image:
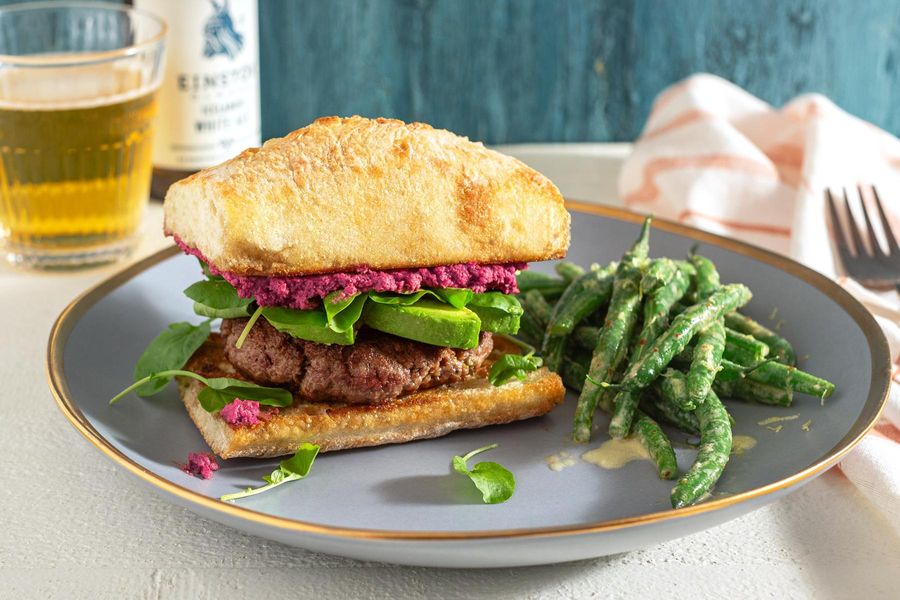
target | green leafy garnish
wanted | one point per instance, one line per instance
(311, 324)
(207, 273)
(493, 480)
(291, 469)
(169, 350)
(455, 297)
(497, 300)
(513, 365)
(217, 299)
(341, 315)
(218, 392)
(498, 312)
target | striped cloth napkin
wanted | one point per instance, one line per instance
(718, 158)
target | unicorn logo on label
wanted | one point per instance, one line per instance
(219, 34)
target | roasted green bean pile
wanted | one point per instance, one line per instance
(651, 340)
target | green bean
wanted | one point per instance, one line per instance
(705, 363)
(661, 409)
(775, 374)
(744, 349)
(529, 329)
(754, 391)
(547, 285)
(533, 322)
(672, 386)
(691, 294)
(535, 303)
(649, 433)
(553, 347)
(657, 444)
(679, 334)
(739, 348)
(586, 336)
(781, 349)
(710, 341)
(656, 319)
(658, 274)
(787, 377)
(708, 280)
(569, 271)
(584, 295)
(712, 456)
(573, 373)
(614, 336)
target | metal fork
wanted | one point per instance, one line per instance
(878, 269)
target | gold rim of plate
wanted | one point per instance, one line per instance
(874, 403)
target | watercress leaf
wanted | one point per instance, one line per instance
(333, 306)
(221, 313)
(168, 351)
(222, 390)
(455, 297)
(291, 469)
(212, 400)
(494, 481)
(499, 301)
(207, 273)
(459, 465)
(217, 294)
(309, 325)
(397, 298)
(276, 477)
(343, 314)
(301, 462)
(511, 366)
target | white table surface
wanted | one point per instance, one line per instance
(73, 525)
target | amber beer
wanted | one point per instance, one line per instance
(75, 175)
(78, 88)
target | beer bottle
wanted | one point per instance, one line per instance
(209, 107)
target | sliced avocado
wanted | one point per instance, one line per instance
(427, 321)
(496, 320)
(309, 325)
(498, 312)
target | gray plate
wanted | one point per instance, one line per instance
(402, 504)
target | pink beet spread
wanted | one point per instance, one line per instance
(305, 291)
(240, 412)
(200, 465)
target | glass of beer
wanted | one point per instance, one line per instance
(77, 103)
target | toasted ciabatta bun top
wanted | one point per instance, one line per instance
(345, 193)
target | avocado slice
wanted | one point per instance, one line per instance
(427, 321)
(309, 325)
(498, 312)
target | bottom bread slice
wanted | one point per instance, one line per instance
(426, 414)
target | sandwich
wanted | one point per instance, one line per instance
(367, 267)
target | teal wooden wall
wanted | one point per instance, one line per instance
(565, 70)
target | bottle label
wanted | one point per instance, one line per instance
(209, 98)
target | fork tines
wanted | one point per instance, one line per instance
(870, 263)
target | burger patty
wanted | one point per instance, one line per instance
(376, 369)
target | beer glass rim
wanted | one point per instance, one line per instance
(80, 58)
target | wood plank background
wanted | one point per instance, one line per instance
(564, 70)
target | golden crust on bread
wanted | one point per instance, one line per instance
(343, 193)
(426, 414)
